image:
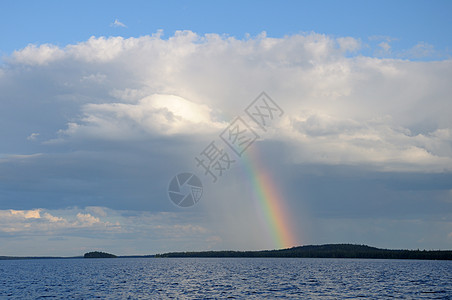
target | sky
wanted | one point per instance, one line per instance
(102, 103)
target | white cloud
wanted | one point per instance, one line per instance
(96, 210)
(326, 139)
(382, 38)
(30, 214)
(87, 220)
(420, 50)
(156, 114)
(349, 44)
(150, 232)
(38, 55)
(33, 136)
(118, 23)
(385, 46)
(340, 109)
(65, 221)
(43, 222)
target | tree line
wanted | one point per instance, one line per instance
(324, 251)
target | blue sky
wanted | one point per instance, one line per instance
(103, 102)
(61, 23)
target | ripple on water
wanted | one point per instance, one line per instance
(233, 278)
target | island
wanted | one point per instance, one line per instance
(324, 251)
(97, 254)
(311, 251)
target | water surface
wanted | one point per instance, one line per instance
(195, 278)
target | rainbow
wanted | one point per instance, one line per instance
(269, 202)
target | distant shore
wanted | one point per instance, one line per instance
(325, 251)
(312, 251)
(66, 257)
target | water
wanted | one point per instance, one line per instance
(200, 278)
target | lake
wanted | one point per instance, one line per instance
(196, 278)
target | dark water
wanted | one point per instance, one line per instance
(200, 278)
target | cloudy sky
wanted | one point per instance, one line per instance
(102, 103)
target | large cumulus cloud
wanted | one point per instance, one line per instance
(108, 121)
(343, 109)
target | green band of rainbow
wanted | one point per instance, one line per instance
(270, 202)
